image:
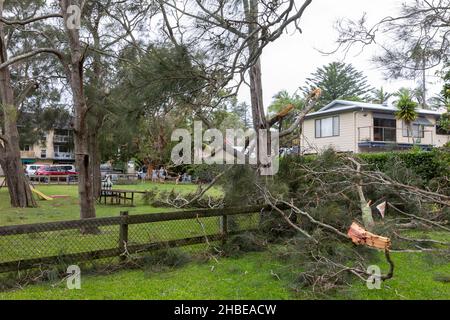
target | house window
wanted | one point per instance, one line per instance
(43, 153)
(418, 130)
(61, 148)
(26, 147)
(384, 129)
(327, 127)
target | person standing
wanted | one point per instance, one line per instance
(162, 174)
(154, 175)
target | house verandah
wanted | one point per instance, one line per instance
(355, 127)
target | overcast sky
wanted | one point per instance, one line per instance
(288, 61)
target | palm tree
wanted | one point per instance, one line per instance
(406, 110)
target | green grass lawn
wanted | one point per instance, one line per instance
(56, 243)
(242, 278)
(251, 276)
(68, 208)
(413, 279)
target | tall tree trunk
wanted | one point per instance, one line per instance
(95, 164)
(18, 186)
(97, 114)
(256, 93)
(83, 158)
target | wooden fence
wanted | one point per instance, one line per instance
(32, 245)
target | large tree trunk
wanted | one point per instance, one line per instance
(81, 134)
(94, 150)
(19, 189)
(95, 118)
(256, 93)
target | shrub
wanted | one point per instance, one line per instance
(427, 165)
(244, 242)
(165, 259)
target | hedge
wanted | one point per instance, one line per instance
(426, 164)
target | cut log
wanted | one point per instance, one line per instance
(361, 236)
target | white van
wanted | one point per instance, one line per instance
(30, 169)
(66, 167)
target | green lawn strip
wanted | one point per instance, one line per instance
(247, 277)
(414, 273)
(413, 279)
(68, 208)
(55, 243)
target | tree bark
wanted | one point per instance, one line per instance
(256, 93)
(18, 186)
(81, 133)
(94, 150)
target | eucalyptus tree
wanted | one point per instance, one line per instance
(17, 83)
(233, 35)
(60, 26)
(111, 26)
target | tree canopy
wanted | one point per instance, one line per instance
(338, 80)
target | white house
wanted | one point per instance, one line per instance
(349, 126)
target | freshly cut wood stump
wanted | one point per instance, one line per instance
(361, 236)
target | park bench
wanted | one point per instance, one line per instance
(118, 196)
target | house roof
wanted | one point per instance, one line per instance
(341, 106)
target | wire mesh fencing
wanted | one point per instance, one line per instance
(29, 246)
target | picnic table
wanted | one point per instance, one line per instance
(118, 196)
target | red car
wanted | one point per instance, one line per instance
(54, 171)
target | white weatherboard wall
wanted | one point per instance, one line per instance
(348, 133)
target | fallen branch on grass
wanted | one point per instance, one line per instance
(419, 218)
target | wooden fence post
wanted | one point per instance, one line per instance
(123, 235)
(224, 227)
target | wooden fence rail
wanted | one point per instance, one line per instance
(123, 246)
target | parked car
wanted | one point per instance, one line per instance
(30, 169)
(67, 167)
(56, 170)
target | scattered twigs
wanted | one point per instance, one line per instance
(293, 225)
(418, 218)
(202, 191)
(273, 203)
(207, 240)
(422, 240)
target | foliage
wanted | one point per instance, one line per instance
(380, 96)
(163, 260)
(443, 100)
(316, 265)
(282, 99)
(338, 81)
(204, 172)
(406, 107)
(427, 165)
(236, 245)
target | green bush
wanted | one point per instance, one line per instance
(244, 242)
(427, 165)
